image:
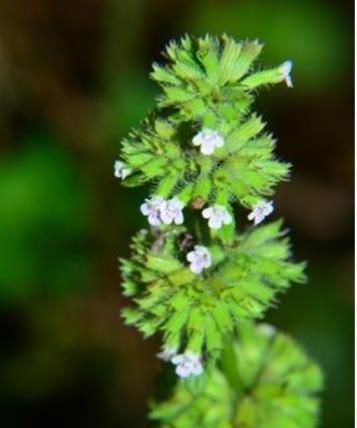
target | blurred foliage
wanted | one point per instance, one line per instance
(43, 221)
(313, 34)
(78, 70)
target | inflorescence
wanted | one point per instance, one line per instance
(191, 276)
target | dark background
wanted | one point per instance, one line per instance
(73, 80)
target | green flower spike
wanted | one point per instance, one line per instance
(204, 143)
(197, 312)
(191, 277)
(264, 380)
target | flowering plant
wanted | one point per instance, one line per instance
(195, 277)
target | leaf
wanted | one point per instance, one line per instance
(249, 52)
(229, 58)
(164, 264)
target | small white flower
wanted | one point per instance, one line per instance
(187, 364)
(167, 354)
(285, 70)
(171, 211)
(199, 259)
(121, 170)
(208, 140)
(217, 215)
(261, 210)
(152, 209)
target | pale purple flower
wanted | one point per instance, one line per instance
(121, 169)
(217, 215)
(208, 140)
(187, 364)
(171, 211)
(167, 354)
(151, 208)
(285, 70)
(200, 258)
(261, 210)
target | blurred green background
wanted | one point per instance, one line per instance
(73, 81)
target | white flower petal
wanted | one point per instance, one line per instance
(187, 364)
(207, 148)
(261, 210)
(251, 216)
(217, 215)
(154, 220)
(144, 208)
(176, 203)
(171, 211)
(197, 140)
(207, 212)
(151, 208)
(183, 371)
(215, 223)
(190, 257)
(196, 267)
(285, 70)
(227, 218)
(196, 369)
(209, 140)
(200, 259)
(177, 359)
(121, 170)
(166, 216)
(125, 172)
(179, 218)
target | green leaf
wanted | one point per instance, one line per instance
(229, 59)
(164, 264)
(249, 52)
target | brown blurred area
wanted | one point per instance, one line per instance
(73, 81)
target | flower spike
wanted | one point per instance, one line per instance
(195, 277)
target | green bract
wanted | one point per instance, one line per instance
(208, 83)
(264, 380)
(197, 312)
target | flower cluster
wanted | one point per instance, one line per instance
(208, 140)
(121, 170)
(199, 259)
(187, 364)
(261, 210)
(278, 387)
(204, 140)
(217, 216)
(158, 210)
(191, 278)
